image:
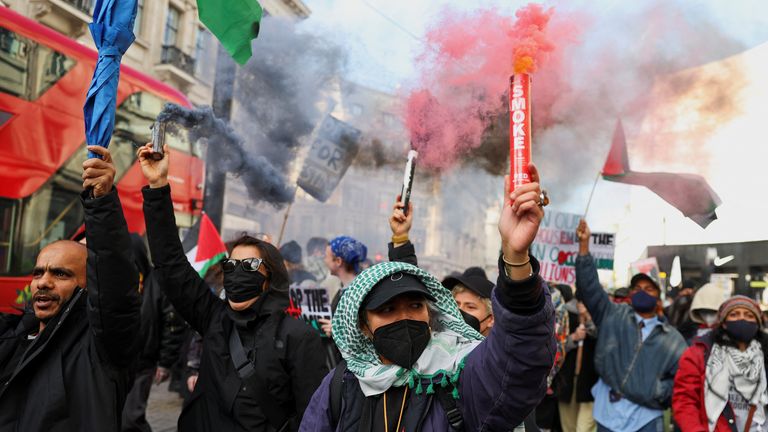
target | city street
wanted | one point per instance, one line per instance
(163, 409)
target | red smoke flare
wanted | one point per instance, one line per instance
(465, 68)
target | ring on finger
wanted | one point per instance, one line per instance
(543, 198)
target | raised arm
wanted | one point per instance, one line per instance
(504, 378)
(401, 249)
(112, 279)
(587, 282)
(183, 286)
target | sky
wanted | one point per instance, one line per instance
(384, 36)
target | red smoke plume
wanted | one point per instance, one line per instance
(464, 73)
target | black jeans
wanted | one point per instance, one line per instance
(135, 409)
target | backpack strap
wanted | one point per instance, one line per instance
(337, 392)
(455, 418)
(277, 415)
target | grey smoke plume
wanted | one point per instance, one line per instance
(284, 91)
(264, 181)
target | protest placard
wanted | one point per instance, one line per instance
(556, 247)
(332, 152)
(312, 301)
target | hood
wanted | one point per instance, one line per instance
(710, 296)
(359, 352)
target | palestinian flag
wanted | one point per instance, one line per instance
(235, 23)
(203, 245)
(689, 193)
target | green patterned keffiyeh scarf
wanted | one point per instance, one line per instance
(441, 361)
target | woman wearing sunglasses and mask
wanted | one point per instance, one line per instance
(259, 367)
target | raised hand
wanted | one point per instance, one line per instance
(155, 171)
(99, 174)
(520, 218)
(583, 234)
(399, 223)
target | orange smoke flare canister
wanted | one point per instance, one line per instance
(519, 128)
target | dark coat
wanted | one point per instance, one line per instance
(76, 377)
(162, 329)
(293, 374)
(563, 384)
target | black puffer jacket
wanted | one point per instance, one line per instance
(288, 352)
(75, 375)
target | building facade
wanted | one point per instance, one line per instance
(171, 44)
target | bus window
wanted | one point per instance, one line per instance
(7, 222)
(28, 69)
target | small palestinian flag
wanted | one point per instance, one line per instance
(203, 245)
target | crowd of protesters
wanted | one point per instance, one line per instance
(403, 350)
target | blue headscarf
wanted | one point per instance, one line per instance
(349, 250)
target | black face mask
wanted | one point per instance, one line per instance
(402, 342)
(241, 285)
(470, 320)
(741, 330)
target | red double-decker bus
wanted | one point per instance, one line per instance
(44, 77)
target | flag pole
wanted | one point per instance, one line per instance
(285, 218)
(591, 194)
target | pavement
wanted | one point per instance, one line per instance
(163, 408)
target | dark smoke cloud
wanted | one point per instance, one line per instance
(264, 181)
(284, 91)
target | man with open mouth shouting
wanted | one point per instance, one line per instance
(64, 363)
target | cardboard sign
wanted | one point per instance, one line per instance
(649, 266)
(331, 154)
(313, 302)
(556, 247)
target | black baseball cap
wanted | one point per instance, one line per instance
(474, 279)
(642, 276)
(393, 286)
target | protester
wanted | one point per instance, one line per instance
(621, 295)
(64, 364)
(704, 306)
(413, 364)
(343, 256)
(258, 367)
(472, 292)
(637, 350)
(291, 253)
(678, 313)
(577, 376)
(721, 384)
(315, 261)
(162, 336)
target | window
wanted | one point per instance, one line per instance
(356, 109)
(389, 119)
(27, 69)
(205, 68)
(171, 27)
(139, 17)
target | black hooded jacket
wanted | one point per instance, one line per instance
(75, 375)
(288, 352)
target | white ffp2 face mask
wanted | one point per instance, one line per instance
(709, 318)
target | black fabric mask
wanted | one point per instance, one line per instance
(241, 285)
(402, 342)
(470, 320)
(643, 302)
(741, 330)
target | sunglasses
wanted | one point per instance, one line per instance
(229, 265)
